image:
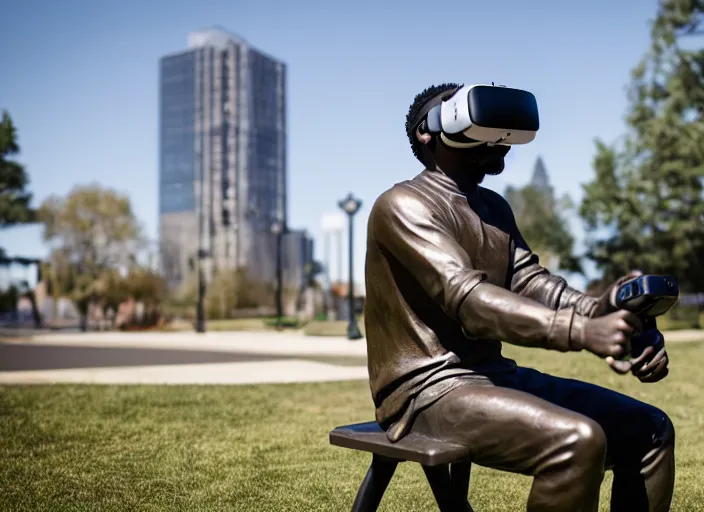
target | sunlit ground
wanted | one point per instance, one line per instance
(265, 448)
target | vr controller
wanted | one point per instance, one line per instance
(484, 114)
(648, 297)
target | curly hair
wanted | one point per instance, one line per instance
(419, 102)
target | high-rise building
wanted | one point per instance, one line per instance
(222, 155)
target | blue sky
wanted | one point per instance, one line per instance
(80, 80)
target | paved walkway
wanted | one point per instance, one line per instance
(289, 349)
(270, 342)
(684, 335)
(269, 372)
(284, 343)
(16, 357)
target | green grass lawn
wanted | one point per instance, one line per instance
(331, 327)
(265, 448)
(237, 324)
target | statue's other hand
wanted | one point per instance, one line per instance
(653, 366)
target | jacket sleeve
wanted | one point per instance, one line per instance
(530, 279)
(421, 236)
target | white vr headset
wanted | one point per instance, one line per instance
(484, 114)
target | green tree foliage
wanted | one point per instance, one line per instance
(14, 198)
(111, 288)
(542, 221)
(645, 206)
(9, 298)
(143, 284)
(228, 291)
(95, 234)
(92, 225)
(106, 288)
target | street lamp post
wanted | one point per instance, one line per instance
(278, 229)
(350, 205)
(200, 307)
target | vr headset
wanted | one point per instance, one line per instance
(484, 114)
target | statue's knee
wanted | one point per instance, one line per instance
(665, 430)
(589, 442)
(656, 428)
(669, 430)
(661, 448)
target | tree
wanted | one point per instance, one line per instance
(541, 220)
(14, 198)
(645, 207)
(94, 231)
(9, 298)
(140, 284)
(143, 284)
(92, 225)
(107, 290)
(230, 290)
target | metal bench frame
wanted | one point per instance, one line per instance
(446, 466)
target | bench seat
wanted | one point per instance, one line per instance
(369, 437)
(446, 465)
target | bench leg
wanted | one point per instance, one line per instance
(374, 485)
(450, 487)
(459, 480)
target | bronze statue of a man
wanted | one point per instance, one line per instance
(448, 277)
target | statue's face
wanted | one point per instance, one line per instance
(482, 159)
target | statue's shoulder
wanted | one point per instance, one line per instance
(497, 203)
(495, 199)
(491, 195)
(400, 197)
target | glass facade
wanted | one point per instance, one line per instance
(298, 253)
(177, 126)
(222, 111)
(229, 131)
(266, 173)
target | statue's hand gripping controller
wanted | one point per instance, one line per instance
(648, 297)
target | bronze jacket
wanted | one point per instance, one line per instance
(448, 276)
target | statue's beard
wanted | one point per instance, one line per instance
(491, 164)
(485, 160)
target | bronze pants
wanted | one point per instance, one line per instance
(565, 433)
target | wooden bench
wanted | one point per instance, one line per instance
(446, 466)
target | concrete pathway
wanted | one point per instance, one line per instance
(292, 347)
(269, 372)
(684, 335)
(273, 343)
(15, 357)
(285, 343)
